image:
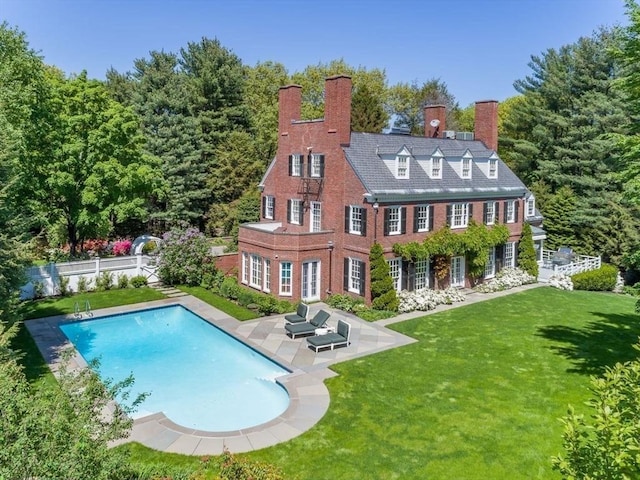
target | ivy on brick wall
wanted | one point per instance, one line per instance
(474, 243)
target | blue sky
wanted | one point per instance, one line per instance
(477, 47)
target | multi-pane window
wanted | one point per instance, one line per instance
(255, 279)
(490, 213)
(245, 267)
(395, 271)
(402, 163)
(493, 168)
(490, 267)
(267, 275)
(459, 215)
(295, 211)
(295, 165)
(421, 274)
(316, 216)
(316, 165)
(285, 278)
(531, 207)
(355, 221)
(466, 168)
(436, 167)
(355, 275)
(394, 221)
(510, 211)
(421, 213)
(510, 254)
(269, 206)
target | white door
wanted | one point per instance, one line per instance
(311, 281)
(457, 272)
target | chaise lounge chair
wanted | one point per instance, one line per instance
(307, 328)
(332, 339)
(302, 312)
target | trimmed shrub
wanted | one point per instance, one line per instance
(83, 284)
(346, 303)
(104, 281)
(63, 286)
(426, 299)
(506, 279)
(230, 288)
(601, 280)
(562, 282)
(383, 294)
(526, 252)
(150, 247)
(138, 281)
(123, 281)
(38, 290)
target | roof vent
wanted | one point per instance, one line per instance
(449, 134)
(464, 135)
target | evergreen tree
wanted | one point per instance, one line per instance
(383, 295)
(367, 111)
(526, 252)
(558, 213)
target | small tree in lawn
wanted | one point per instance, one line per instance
(383, 294)
(527, 252)
(184, 257)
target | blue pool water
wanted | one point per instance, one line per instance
(196, 374)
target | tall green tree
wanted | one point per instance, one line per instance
(367, 111)
(383, 295)
(407, 102)
(97, 174)
(526, 252)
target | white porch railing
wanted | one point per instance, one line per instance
(582, 263)
(48, 276)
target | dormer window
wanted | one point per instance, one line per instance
(436, 167)
(531, 206)
(402, 166)
(493, 168)
(466, 167)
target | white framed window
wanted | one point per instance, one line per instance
(436, 167)
(395, 270)
(457, 271)
(255, 276)
(402, 166)
(245, 267)
(490, 213)
(316, 165)
(355, 220)
(295, 165)
(295, 211)
(267, 275)
(490, 267)
(510, 254)
(493, 168)
(510, 211)
(466, 167)
(421, 220)
(316, 217)
(269, 206)
(531, 206)
(421, 274)
(394, 220)
(355, 275)
(286, 279)
(459, 215)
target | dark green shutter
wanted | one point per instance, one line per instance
(504, 216)
(290, 165)
(484, 213)
(264, 207)
(415, 219)
(431, 218)
(516, 208)
(449, 215)
(347, 218)
(469, 211)
(403, 220)
(345, 274)
(288, 211)
(496, 205)
(386, 221)
(321, 166)
(363, 277)
(363, 231)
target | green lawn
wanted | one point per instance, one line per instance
(227, 306)
(477, 397)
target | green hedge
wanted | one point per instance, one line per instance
(601, 280)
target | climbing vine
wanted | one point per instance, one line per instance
(473, 243)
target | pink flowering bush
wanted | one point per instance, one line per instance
(121, 247)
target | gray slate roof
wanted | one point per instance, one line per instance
(365, 149)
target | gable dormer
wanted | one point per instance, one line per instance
(434, 165)
(489, 166)
(398, 163)
(464, 166)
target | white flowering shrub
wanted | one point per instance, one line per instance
(427, 299)
(505, 279)
(563, 282)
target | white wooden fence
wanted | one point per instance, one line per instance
(47, 277)
(582, 263)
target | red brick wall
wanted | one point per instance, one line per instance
(227, 263)
(434, 112)
(486, 123)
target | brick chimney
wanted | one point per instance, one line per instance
(337, 106)
(289, 106)
(486, 123)
(434, 112)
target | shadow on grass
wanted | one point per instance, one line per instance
(598, 344)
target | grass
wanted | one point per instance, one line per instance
(109, 298)
(227, 306)
(478, 396)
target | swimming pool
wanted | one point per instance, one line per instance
(197, 375)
